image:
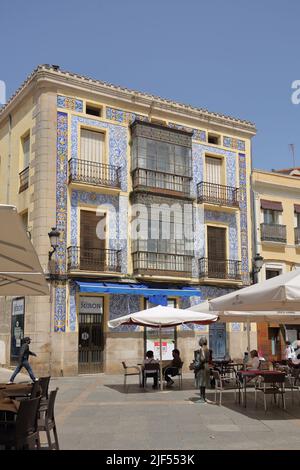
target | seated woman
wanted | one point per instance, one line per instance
(152, 373)
(172, 369)
(253, 363)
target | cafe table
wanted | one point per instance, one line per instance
(250, 374)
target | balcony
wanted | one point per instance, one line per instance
(167, 264)
(93, 259)
(220, 269)
(273, 233)
(297, 235)
(93, 173)
(217, 194)
(23, 180)
(161, 182)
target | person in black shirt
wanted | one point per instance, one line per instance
(23, 361)
(173, 368)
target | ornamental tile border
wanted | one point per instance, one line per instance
(243, 218)
(68, 102)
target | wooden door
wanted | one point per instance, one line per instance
(216, 252)
(92, 248)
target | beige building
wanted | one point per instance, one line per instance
(108, 167)
(277, 239)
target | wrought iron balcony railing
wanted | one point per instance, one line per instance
(23, 180)
(217, 194)
(297, 235)
(145, 262)
(220, 269)
(273, 233)
(93, 259)
(160, 182)
(96, 174)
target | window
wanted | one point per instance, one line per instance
(213, 170)
(272, 273)
(213, 139)
(93, 110)
(26, 151)
(92, 146)
(297, 215)
(270, 216)
(24, 218)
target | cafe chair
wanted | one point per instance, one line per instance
(179, 375)
(47, 423)
(270, 385)
(223, 383)
(22, 433)
(44, 387)
(148, 371)
(131, 370)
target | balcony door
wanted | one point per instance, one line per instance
(91, 146)
(216, 251)
(92, 248)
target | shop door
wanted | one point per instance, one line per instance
(90, 341)
(217, 340)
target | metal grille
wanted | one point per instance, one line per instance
(172, 264)
(273, 232)
(98, 174)
(220, 269)
(297, 236)
(93, 259)
(217, 194)
(90, 348)
(24, 179)
(145, 179)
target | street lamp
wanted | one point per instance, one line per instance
(53, 237)
(258, 262)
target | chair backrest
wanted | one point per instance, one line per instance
(216, 375)
(26, 421)
(36, 390)
(151, 366)
(50, 408)
(124, 365)
(273, 378)
(44, 384)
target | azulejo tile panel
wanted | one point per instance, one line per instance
(118, 141)
(234, 143)
(61, 217)
(116, 208)
(120, 305)
(68, 102)
(72, 315)
(243, 218)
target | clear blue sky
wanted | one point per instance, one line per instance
(234, 57)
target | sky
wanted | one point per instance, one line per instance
(234, 57)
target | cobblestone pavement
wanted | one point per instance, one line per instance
(95, 412)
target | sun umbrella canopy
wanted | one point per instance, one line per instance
(281, 293)
(20, 269)
(163, 316)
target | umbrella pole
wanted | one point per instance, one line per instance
(160, 359)
(248, 335)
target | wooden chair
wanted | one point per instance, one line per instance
(47, 422)
(271, 385)
(131, 370)
(23, 432)
(223, 383)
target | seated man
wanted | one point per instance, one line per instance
(147, 367)
(173, 368)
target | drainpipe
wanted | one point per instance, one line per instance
(9, 158)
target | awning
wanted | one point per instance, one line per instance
(135, 289)
(273, 205)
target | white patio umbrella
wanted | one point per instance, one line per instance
(280, 293)
(162, 317)
(20, 269)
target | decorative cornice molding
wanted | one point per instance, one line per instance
(68, 79)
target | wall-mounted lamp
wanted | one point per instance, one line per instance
(54, 238)
(258, 263)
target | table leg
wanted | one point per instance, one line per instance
(245, 392)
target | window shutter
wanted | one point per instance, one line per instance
(213, 170)
(91, 146)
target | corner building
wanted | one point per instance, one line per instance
(112, 168)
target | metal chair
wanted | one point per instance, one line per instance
(271, 385)
(44, 386)
(149, 370)
(23, 432)
(47, 422)
(223, 383)
(131, 370)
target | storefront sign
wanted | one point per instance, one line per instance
(17, 326)
(91, 305)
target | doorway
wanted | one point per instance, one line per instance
(90, 335)
(216, 252)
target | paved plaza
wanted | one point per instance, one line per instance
(94, 412)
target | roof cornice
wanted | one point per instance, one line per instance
(129, 97)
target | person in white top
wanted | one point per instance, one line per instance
(152, 373)
(254, 361)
